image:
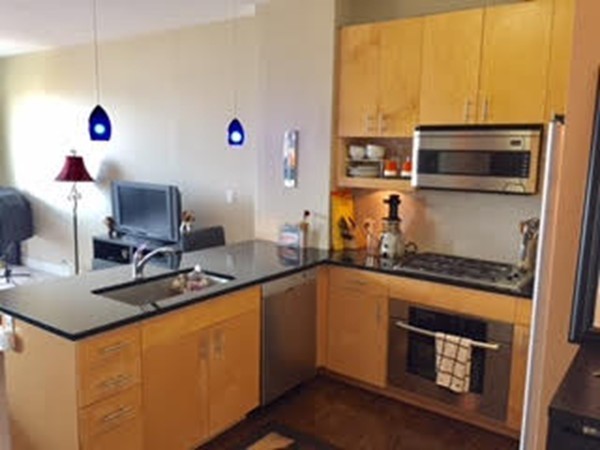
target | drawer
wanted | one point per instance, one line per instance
(113, 424)
(357, 281)
(108, 364)
(114, 346)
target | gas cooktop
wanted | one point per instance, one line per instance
(476, 272)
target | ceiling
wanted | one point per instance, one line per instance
(33, 25)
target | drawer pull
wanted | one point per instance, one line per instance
(118, 414)
(113, 348)
(115, 382)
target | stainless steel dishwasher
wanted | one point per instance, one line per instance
(289, 313)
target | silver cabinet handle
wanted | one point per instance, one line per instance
(219, 344)
(369, 119)
(116, 415)
(113, 348)
(115, 382)
(203, 346)
(383, 123)
(467, 110)
(486, 109)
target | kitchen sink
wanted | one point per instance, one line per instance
(151, 290)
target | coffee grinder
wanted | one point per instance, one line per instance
(391, 242)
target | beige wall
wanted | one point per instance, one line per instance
(295, 90)
(361, 11)
(3, 162)
(170, 98)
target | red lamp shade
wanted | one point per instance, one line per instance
(74, 170)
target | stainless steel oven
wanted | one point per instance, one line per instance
(494, 158)
(411, 357)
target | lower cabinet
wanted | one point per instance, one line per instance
(357, 325)
(200, 370)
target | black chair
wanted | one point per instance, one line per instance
(10, 254)
(203, 238)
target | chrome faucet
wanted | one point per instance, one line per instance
(139, 260)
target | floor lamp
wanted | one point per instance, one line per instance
(74, 171)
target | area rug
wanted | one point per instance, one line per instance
(280, 437)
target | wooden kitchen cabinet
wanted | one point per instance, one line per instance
(234, 373)
(358, 82)
(451, 64)
(491, 65)
(515, 63)
(175, 388)
(560, 57)
(379, 81)
(201, 370)
(357, 325)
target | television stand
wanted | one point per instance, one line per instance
(110, 252)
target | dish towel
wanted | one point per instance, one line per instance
(453, 362)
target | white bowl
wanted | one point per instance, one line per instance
(356, 152)
(375, 151)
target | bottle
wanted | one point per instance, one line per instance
(304, 229)
(390, 168)
(406, 170)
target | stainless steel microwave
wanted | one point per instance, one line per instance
(487, 158)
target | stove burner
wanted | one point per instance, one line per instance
(474, 271)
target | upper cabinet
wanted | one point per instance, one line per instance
(560, 57)
(451, 63)
(515, 63)
(487, 65)
(379, 82)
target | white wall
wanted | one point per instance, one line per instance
(170, 98)
(296, 45)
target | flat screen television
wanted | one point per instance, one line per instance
(146, 210)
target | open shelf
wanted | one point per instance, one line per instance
(388, 184)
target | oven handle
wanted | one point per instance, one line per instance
(478, 344)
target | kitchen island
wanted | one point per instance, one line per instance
(90, 372)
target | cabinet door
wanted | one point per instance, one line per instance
(514, 70)
(399, 76)
(356, 338)
(234, 370)
(175, 377)
(359, 72)
(450, 69)
(560, 57)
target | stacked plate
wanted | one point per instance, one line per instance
(364, 171)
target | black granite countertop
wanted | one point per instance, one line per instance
(68, 307)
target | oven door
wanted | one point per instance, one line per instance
(411, 358)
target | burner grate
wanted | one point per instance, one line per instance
(480, 272)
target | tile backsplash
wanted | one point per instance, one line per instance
(467, 224)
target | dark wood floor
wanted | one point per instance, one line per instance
(351, 418)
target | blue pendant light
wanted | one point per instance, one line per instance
(235, 133)
(99, 125)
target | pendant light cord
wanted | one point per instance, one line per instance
(235, 5)
(96, 63)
